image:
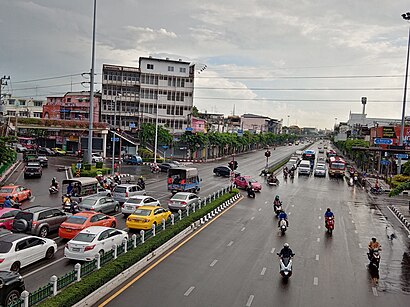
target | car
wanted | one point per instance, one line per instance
(33, 169)
(223, 171)
(20, 148)
(96, 158)
(242, 182)
(99, 203)
(320, 170)
(43, 160)
(45, 151)
(304, 168)
(79, 221)
(92, 241)
(182, 200)
(133, 159)
(38, 220)
(18, 192)
(124, 191)
(146, 216)
(166, 166)
(59, 151)
(136, 201)
(11, 286)
(322, 151)
(7, 216)
(19, 250)
(324, 146)
(290, 144)
(321, 159)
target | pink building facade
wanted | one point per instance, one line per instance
(198, 125)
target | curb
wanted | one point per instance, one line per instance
(94, 297)
(10, 171)
(401, 217)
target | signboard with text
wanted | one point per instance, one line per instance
(379, 141)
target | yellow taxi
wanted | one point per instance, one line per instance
(146, 216)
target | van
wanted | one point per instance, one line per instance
(124, 191)
(304, 168)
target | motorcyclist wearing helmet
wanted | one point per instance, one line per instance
(54, 182)
(141, 182)
(66, 199)
(276, 204)
(286, 251)
(373, 245)
(7, 203)
(283, 216)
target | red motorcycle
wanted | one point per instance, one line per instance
(330, 224)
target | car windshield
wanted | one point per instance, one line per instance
(251, 180)
(5, 247)
(85, 237)
(120, 190)
(88, 202)
(142, 212)
(179, 197)
(134, 201)
(338, 166)
(79, 220)
(320, 167)
(6, 190)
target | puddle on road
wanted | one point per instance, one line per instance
(395, 255)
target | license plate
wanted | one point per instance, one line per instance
(75, 249)
(130, 207)
(68, 230)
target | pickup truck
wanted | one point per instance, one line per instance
(132, 159)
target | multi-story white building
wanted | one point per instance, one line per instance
(22, 107)
(157, 85)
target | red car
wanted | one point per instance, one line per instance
(6, 217)
(18, 192)
(242, 182)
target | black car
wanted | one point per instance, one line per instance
(43, 161)
(11, 286)
(33, 169)
(46, 151)
(223, 171)
(166, 166)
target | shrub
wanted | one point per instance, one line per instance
(99, 165)
(92, 172)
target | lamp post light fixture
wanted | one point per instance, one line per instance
(405, 16)
(114, 134)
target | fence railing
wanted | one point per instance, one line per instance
(58, 283)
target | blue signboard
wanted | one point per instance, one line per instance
(402, 156)
(132, 125)
(240, 132)
(115, 139)
(379, 141)
(165, 146)
(385, 162)
(189, 129)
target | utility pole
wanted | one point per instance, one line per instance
(1, 83)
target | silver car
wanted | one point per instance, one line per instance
(182, 200)
(320, 170)
(124, 191)
(97, 203)
(137, 201)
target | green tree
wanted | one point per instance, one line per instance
(195, 111)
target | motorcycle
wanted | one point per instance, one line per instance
(376, 191)
(283, 225)
(330, 225)
(273, 181)
(292, 174)
(71, 209)
(285, 267)
(53, 189)
(277, 209)
(374, 258)
(285, 175)
(355, 179)
(155, 169)
(251, 193)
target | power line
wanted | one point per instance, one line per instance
(47, 78)
(300, 77)
(300, 89)
(294, 100)
(45, 86)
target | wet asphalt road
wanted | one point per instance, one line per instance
(39, 274)
(233, 262)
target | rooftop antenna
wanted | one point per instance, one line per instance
(233, 111)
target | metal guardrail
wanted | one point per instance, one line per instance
(85, 269)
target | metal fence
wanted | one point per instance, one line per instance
(59, 283)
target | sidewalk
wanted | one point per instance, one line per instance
(7, 173)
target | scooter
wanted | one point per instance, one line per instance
(350, 182)
(53, 189)
(272, 181)
(277, 209)
(374, 258)
(155, 169)
(67, 207)
(285, 267)
(330, 225)
(251, 193)
(292, 174)
(283, 226)
(376, 191)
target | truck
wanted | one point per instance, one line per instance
(183, 179)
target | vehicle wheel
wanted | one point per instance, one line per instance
(101, 252)
(12, 297)
(217, 174)
(113, 225)
(43, 232)
(117, 208)
(155, 224)
(15, 267)
(109, 195)
(50, 253)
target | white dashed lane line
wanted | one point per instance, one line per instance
(316, 281)
(263, 271)
(259, 209)
(318, 227)
(252, 218)
(317, 257)
(360, 245)
(250, 300)
(213, 263)
(32, 199)
(188, 292)
(375, 291)
(230, 243)
(243, 229)
(318, 239)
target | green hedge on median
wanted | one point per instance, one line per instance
(79, 290)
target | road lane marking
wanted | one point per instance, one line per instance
(318, 227)
(117, 214)
(320, 217)
(360, 245)
(230, 243)
(289, 213)
(350, 212)
(259, 209)
(318, 239)
(43, 267)
(32, 199)
(375, 291)
(243, 228)
(213, 262)
(315, 281)
(249, 302)
(399, 220)
(266, 202)
(263, 271)
(169, 253)
(352, 221)
(188, 292)
(317, 257)
(320, 209)
(252, 218)
(293, 205)
(272, 251)
(356, 231)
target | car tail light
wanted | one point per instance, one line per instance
(34, 223)
(122, 206)
(92, 208)
(1, 260)
(183, 202)
(126, 194)
(88, 248)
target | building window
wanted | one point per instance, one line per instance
(38, 103)
(68, 99)
(170, 68)
(182, 69)
(150, 66)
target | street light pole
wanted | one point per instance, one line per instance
(113, 135)
(405, 17)
(156, 131)
(91, 126)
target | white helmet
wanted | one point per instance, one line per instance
(286, 245)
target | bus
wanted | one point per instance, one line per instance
(337, 166)
(29, 143)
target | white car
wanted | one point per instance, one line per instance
(304, 168)
(93, 240)
(96, 158)
(20, 250)
(137, 201)
(320, 170)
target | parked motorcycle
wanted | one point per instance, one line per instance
(283, 226)
(330, 225)
(53, 189)
(285, 267)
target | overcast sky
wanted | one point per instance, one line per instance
(306, 62)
